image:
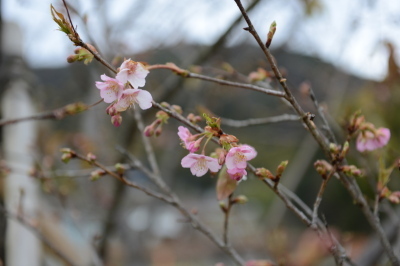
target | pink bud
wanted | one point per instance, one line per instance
(149, 130)
(116, 120)
(111, 110)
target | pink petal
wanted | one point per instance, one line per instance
(144, 99)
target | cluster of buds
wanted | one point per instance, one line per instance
(392, 196)
(352, 170)
(338, 152)
(122, 91)
(323, 168)
(81, 54)
(234, 156)
(265, 173)
(155, 128)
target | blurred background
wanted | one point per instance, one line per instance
(347, 51)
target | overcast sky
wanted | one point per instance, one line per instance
(346, 33)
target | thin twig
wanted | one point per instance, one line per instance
(319, 197)
(321, 114)
(227, 212)
(56, 114)
(188, 74)
(123, 179)
(28, 225)
(259, 121)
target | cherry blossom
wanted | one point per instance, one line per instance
(134, 72)
(131, 96)
(111, 89)
(188, 139)
(237, 173)
(368, 140)
(200, 164)
(238, 156)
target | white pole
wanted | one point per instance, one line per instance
(22, 247)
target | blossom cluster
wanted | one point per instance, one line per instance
(235, 158)
(123, 90)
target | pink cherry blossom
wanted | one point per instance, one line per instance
(111, 89)
(368, 140)
(199, 164)
(134, 72)
(237, 173)
(188, 139)
(238, 156)
(131, 96)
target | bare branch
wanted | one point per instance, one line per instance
(259, 121)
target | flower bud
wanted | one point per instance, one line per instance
(120, 168)
(116, 120)
(222, 205)
(193, 118)
(177, 109)
(96, 174)
(149, 130)
(352, 170)
(264, 173)
(158, 130)
(333, 148)
(323, 168)
(281, 168)
(90, 157)
(72, 58)
(345, 150)
(111, 110)
(66, 157)
(241, 199)
(225, 139)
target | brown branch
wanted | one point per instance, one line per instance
(259, 121)
(56, 114)
(319, 197)
(188, 74)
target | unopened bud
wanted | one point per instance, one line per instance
(72, 58)
(74, 108)
(165, 104)
(96, 174)
(352, 170)
(120, 168)
(281, 168)
(66, 157)
(345, 149)
(271, 33)
(264, 173)
(149, 130)
(162, 117)
(116, 120)
(225, 139)
(90, 157)
(222, 205)
(220, 155)
(111, 110)
(333, 148)
(241, 199)
(193, 118)
(158, 130)
(177, 109)
(323, 168)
